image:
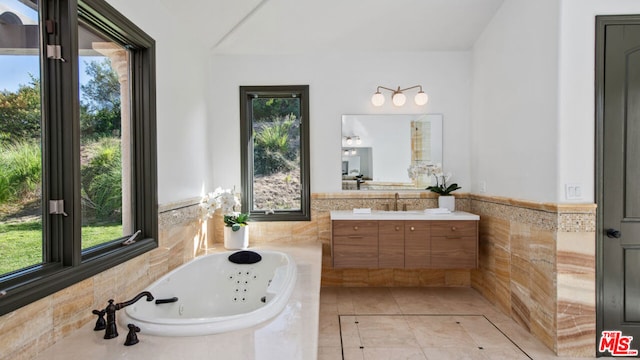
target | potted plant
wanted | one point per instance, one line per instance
(236, 230)
(445, 200)
(236, 220)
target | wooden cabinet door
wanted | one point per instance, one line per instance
(416, 244)
(355, 244)
(454, 244)
(391, 244)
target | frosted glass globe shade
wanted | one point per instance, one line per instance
(377, 99)
(399, 99)
(421, 98)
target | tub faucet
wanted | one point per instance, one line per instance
(111, 329)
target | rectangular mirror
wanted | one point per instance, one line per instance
(378, 150)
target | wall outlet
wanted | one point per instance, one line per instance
(573, 191)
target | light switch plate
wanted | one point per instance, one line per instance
(573, 191)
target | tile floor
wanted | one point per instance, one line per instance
(419, 323)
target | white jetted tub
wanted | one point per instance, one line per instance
(212, 294)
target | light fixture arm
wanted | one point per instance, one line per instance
(398, 89)
(378, 99)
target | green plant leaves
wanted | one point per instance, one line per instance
(235, 221)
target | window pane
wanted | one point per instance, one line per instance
(20, 139)
(276, 153)
(104, 140)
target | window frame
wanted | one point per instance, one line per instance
(246, 149)
(64, 261)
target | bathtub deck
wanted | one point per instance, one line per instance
(293, 334)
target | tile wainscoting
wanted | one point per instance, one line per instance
(537, 264)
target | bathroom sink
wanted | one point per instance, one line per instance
(400, 212)
(401, 215)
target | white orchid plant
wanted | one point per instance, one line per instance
(227, 200)
(441, 186)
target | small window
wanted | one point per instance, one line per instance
(275, 152)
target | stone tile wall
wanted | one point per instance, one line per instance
(536, 263)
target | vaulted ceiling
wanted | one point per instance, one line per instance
(305, 26)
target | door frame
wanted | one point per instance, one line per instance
(602, 21)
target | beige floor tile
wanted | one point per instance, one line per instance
(385, 331)
(329, 331)
(374, 301)
(394, 336)
(393, 353)
(439, 331)
(329, 353)
(484, 333)
(350, 332)
(459, 353)
(353, 353)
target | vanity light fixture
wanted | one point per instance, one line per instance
(398, 97)
(349, 140)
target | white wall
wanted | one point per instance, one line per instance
(341, 84)
(181, 100)
(514, 102)
(576, 108)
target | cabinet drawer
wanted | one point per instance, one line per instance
(357, 240)
(459, 253)
(355, 256)
(454, 229)
(350, 228)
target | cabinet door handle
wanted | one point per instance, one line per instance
(397, 228)
(412, 228)
(453, 228)
(355, 228)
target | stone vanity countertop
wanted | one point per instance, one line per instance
(402, 215)
(292, 334)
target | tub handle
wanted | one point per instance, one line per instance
(166, 301)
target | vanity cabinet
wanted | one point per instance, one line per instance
(454, 245)
(391, 244)
(355, 244)
(417, 244)
(405, 244)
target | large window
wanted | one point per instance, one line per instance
(78, 181)
(275, 152)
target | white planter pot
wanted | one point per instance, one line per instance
(447, 202)
(234, 240)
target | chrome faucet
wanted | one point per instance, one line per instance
(110, 327)
(395, 203)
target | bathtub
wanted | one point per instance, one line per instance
(215, 295)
